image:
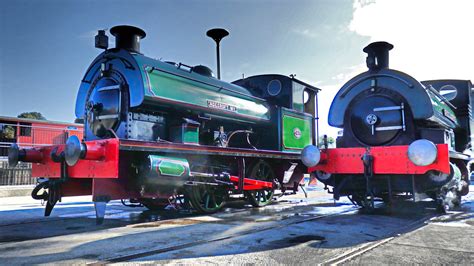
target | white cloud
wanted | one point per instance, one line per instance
(306, 33)
(433, 39)
(349, 73)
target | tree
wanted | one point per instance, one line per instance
(331, 141)
(32, 115)
(7, 132)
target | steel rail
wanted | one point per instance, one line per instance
(137, 255)
(353, 253)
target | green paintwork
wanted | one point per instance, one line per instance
(443, 111)
(185, 134)
(170, 166)
(294, 125)
(191, 135)
(169, 85)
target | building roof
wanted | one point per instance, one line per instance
(27, 120)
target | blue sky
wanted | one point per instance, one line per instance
(46, 46)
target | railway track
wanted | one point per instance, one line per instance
(142, 254)
(354, 253)
(343, 258)
(283, 222)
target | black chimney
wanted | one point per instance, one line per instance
(377, 55)
(217, 35)
(128, 37)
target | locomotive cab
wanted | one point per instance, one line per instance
(295, 105)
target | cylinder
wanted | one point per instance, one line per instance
(162, 174)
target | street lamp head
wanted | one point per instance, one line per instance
(217, 34)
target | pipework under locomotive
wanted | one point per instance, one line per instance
(399, 137)
(157, 131)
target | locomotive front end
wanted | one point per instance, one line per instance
(398, 137)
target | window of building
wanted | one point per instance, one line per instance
(25, 129)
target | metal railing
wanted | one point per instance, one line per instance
(16, 176)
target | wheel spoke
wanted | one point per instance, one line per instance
(266, 171)
(261, 171)
(207, 201)
(214, 200)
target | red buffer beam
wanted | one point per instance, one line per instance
(387, 160)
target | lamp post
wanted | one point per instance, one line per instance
(217, 35)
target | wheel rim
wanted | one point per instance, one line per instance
(206, 198)
(261, 171)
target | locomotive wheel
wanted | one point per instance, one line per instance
(365, 202)
(207, 198)
(448, 200)
(261, 171)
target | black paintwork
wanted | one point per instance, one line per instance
(384, 87)
(358, 133)
(128, 37)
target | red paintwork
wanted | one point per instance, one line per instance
(252, 184)
(95, 150)
(77, 187)
(104, 166)
(33, 156)
(98, 172)
(387, 160)
(111, 189)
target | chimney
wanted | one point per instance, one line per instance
(377, 55)
(128, 37)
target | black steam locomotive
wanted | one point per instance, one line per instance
(399, 137)
(156, 131)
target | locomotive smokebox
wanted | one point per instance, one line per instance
(377, 55)
(128, 37)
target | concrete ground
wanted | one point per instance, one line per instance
(294, 230)
(15, 191)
